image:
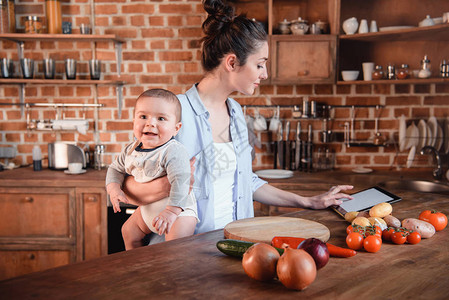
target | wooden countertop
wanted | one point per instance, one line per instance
(48, 178)
(192, 268)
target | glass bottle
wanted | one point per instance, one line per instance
(425, 71)
(54, 16)
(378, 73)
(403, 72)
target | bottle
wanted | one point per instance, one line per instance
(37, 158)
(391, 71)
(403, 72)
(98, 157)
(425, 71)
(54, 16)
(378, 73)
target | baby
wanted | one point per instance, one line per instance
(155, 153)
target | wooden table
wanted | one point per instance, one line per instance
(192, 268)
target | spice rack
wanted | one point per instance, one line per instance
(21, 38)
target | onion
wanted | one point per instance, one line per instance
(296, 269)
(259, 261)
(317, 249)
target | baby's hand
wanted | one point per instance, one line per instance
(164, 221)
(116, 195)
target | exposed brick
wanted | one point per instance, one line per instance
(383, 89)
(363, 89)
(436, 100)
(284, 89)
(158, 32)
(422, 88)
(323, 89)
(179, 9)
(115, 126)
(138, 8)
(343, 89)
(156, 21)
(176, 55)
(402, 100)
(369, 100)
(145, 56)
(165, 79)
(304, 89)
(402, 88)
(175, 20)
(439, 88)
(188, 79)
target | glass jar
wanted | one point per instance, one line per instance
(54, 16)
(378, 73)
(403, 72)
(33, 24)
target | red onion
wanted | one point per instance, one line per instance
(317, 249)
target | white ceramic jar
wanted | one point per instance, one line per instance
(350, 25)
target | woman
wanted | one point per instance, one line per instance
(234, 56)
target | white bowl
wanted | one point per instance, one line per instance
(350, 75)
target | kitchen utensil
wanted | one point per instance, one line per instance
(286, 162)
(427, 21)
(259, 121)
(298, 146)
(98, 157)
(37, 158)
(6, 67)
(391, 71)
(305, 108)
(274, 122)
(378, 139)
(402, 133)
(75, 167)
(70, 68)
(373, 26)
(95, 69)
(411, 156)
(280, 146)
(349, 75)
(27, 65)
(49, 68)
(422, 128)
(439, 138)
(284, 27)
(433, 126)
(263, 229)
(274, 174)
(299, 27)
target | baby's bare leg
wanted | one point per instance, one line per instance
(183, 226)
(134, 230)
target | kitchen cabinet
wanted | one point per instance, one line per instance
(406, 45)
(297, 59)
(50, 220)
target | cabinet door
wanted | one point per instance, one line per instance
(19, 262)
(37, 213)
(93, 226)
(303, 59)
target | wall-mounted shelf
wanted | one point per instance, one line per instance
(29, 37)
(396, 81)
(59, 81)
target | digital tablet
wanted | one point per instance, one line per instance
(365, 199)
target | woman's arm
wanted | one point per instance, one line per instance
(155, 190)
(146, 193)
(270, 195)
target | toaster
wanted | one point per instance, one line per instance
(61, 154)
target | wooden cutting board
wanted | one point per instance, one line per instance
(263, 229)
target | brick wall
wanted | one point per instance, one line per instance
(162, 50)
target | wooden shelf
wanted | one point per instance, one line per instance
(28, 37)
(436, 32)
(396, 81)
(59, 81)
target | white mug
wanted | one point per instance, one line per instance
(368, 68)
(446, 17)
(363, 28)
(75, 167)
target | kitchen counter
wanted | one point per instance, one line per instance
(193, 268)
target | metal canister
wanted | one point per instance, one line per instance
(391, 71)
(99, 157)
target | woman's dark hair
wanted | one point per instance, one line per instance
(226, 33)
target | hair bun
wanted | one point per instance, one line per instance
(219, 10)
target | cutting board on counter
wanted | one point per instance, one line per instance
(263, 229)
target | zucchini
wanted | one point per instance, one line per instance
(237, 248)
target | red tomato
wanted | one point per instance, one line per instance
(399, 238)
(387, 233)
(424, 215)
(414, 238)
(378, 231)
(349, 229)
(372, 243)
(437, 219)
(354, 240)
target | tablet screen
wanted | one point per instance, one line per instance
(366, 199)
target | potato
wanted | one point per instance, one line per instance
(426, 230)
(378, 221)
(350, 216)
(381, 210)
(363, 214)
(362, 221)
(392, 221)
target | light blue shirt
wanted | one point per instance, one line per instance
(196, 136)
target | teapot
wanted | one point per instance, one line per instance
(299, 26)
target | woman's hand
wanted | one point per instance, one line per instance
(331, 197)
(116, 196)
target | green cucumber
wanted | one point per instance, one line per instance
(237, 248)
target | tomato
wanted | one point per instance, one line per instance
(378, 231)
(399, 237)
(387, 233)
(372, 243)
(414, 238)
(437, 219)
(354, 240)
(349, 229)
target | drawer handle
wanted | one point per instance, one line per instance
(32, 256)
(303, 73)
(29, 199)
(92, 199)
